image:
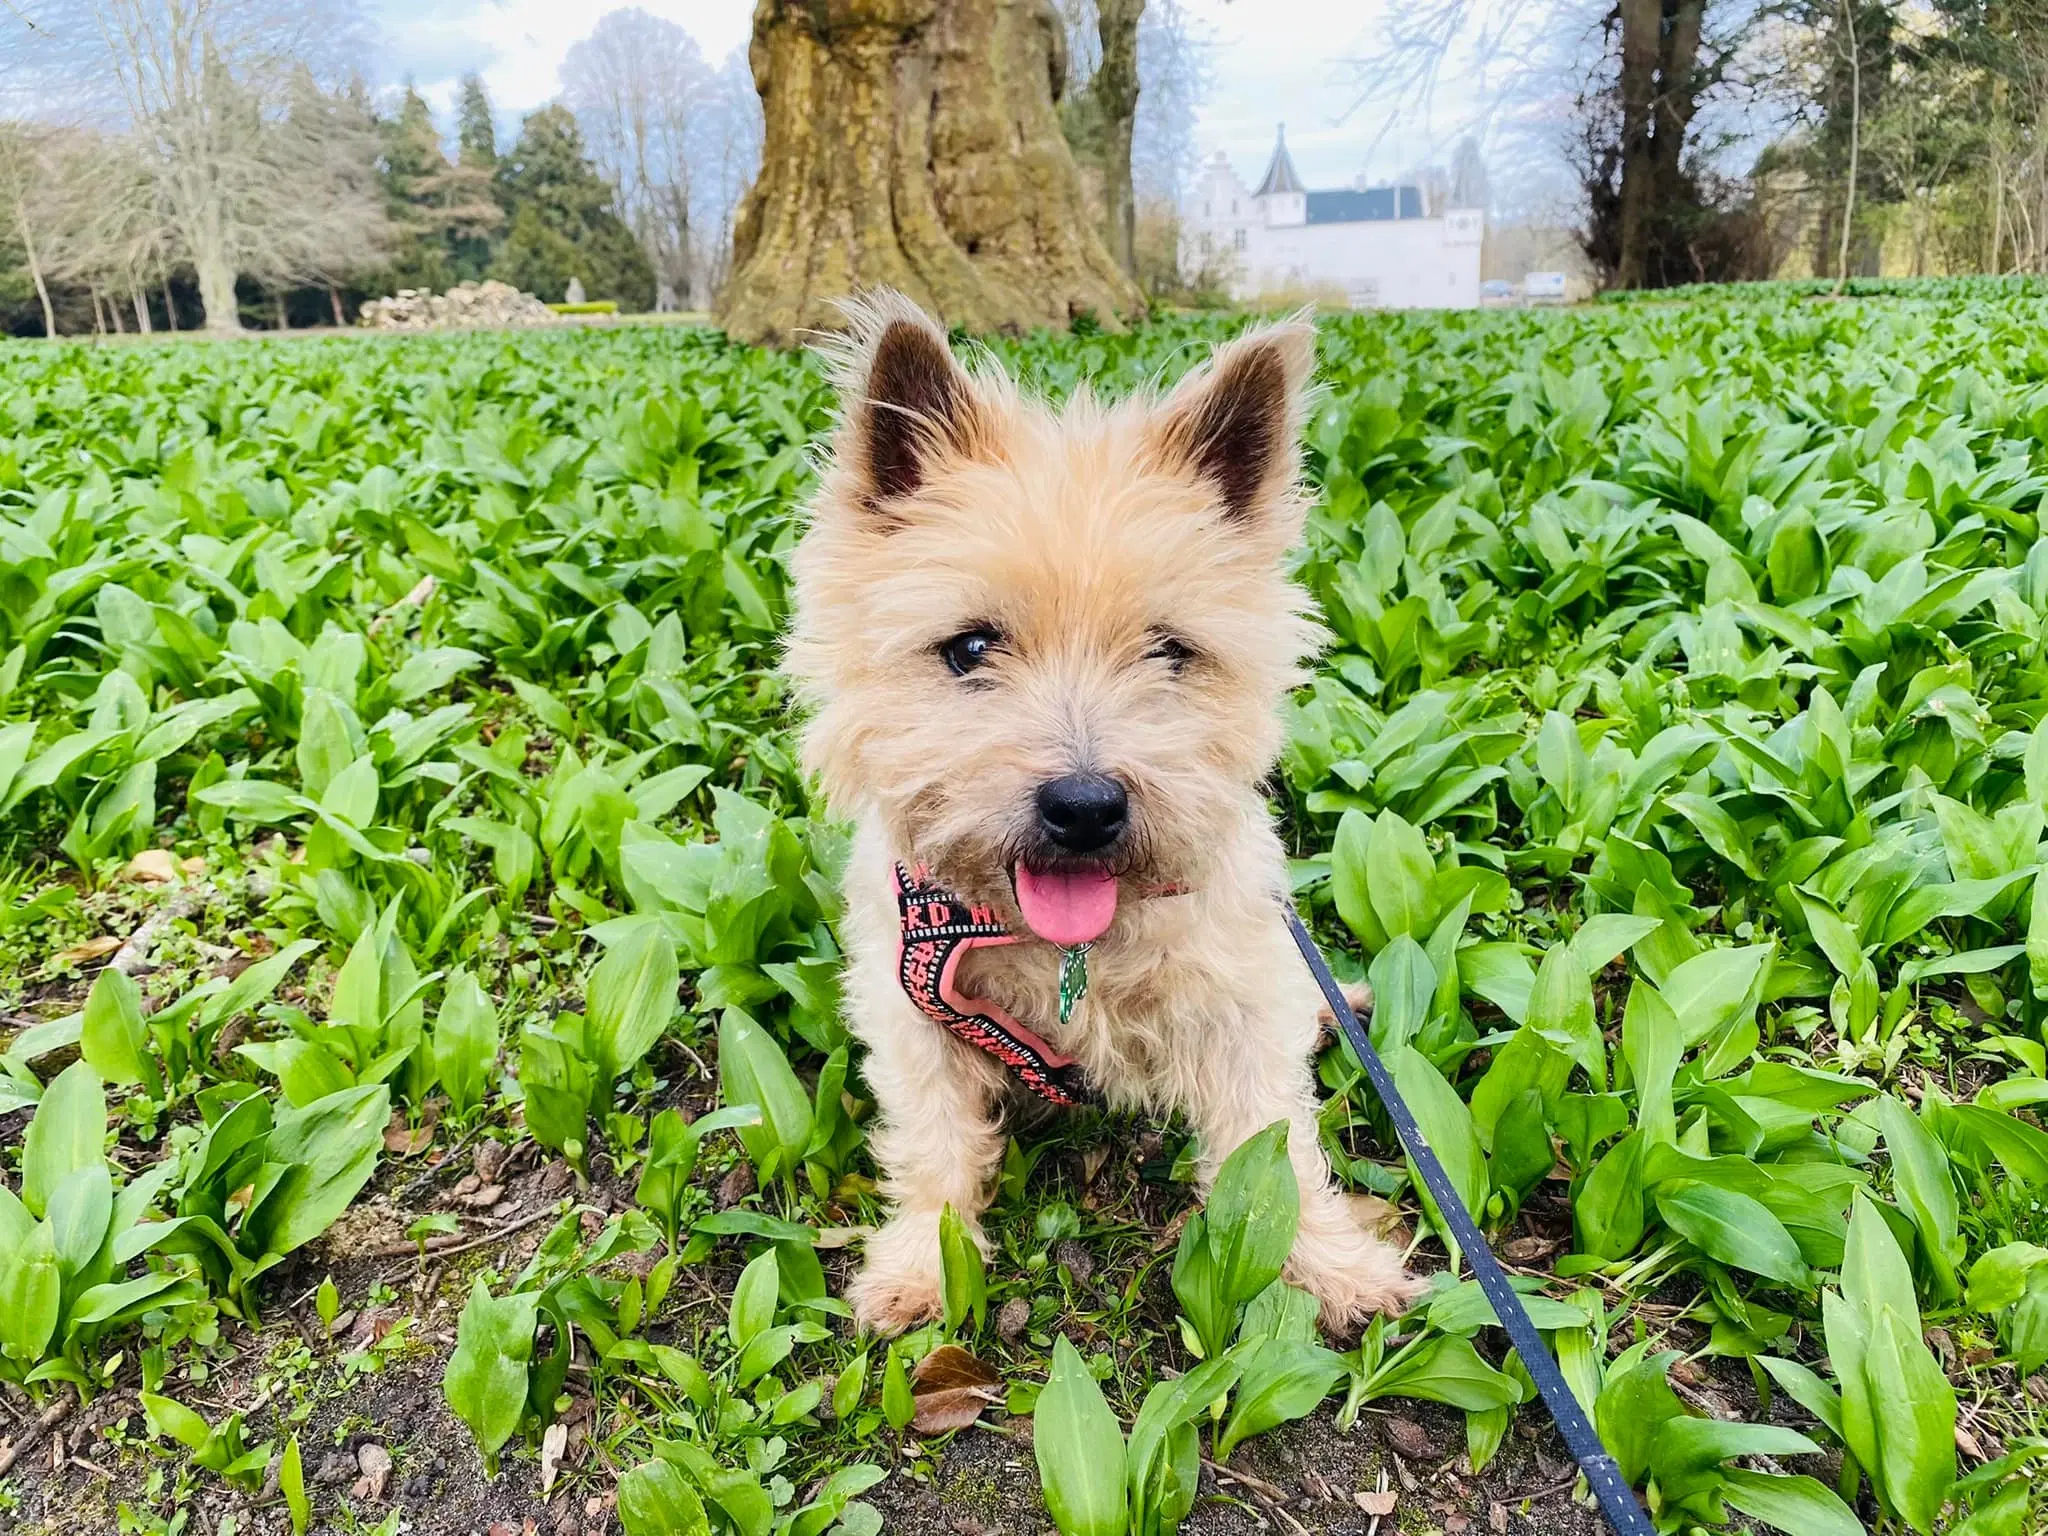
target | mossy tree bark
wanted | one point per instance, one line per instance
(913, 144)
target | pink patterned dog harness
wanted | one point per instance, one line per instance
(937, 928)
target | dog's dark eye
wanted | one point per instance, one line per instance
(1175, 652)
(969, 649)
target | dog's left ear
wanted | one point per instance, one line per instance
(1236, 423)
(907, 402)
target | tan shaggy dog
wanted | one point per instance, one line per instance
(1043, 653)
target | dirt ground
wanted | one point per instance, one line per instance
(374, 1392)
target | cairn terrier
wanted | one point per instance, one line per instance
(1042, 653)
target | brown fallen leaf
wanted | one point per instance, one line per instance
(553, 1445)
(950, 1388)
(374, 1462)
(840, 1237)
(152, 866)
(1379, 1502)
(489, 1159)
(89, 949)
(1967, 1444)
(483, 1199)
(1410, 1439)
(1497, 1517)
(402, 1140)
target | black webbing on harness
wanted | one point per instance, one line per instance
(1603, 1475)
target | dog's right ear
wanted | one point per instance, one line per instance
(906, 402)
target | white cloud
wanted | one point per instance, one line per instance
(518, 45)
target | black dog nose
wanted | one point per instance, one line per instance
(1083, 812)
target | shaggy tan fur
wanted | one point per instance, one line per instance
(1085, 538)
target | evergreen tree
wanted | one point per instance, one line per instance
(476, 130)
(411, 157)
(563, 221)
(446, 213)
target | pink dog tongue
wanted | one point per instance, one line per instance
(1067, 909)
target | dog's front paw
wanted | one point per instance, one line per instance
(902, 1282)
(1353, 1274)
(1358, 995)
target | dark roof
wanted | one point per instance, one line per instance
(1349, 207)
(1280, 176)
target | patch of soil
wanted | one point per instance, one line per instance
(1302, 1477)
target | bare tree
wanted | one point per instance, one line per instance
(637, 85)
(99, 220)
(1116, 91)
(219, 95)
(724, 147)
(1173, 78)
(24, 171)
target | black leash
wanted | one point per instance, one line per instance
(1603, 1475)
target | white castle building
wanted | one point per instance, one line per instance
(1383, 247)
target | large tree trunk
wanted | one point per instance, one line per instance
(1677, 94)
(1641, 26)
(1116, 93)
(913, 144)
(217, 288)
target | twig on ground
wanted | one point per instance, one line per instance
(1546, 1493)
(1270, 1496)
(48, 1420)
(448, 1247)
(133, 956)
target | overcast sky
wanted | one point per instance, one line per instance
(1273, 60)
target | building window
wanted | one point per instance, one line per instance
(1205, 210)
(1238, 242)
(1233, 207)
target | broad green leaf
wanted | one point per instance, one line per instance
(753, 1070)
(1079, 1447)
(328, 1150)
(753, 1299)
(1561, 1010)
(632, 997)
(31, 1287)
(1252, 1212)
(291, 1482)
(655, 1500)
(1799, 1506)
(1925, 1188)
(68, 1133)
(1280, 1381)
(966, 1284)
(1732, 1227)
(1447, 1123)
(466, 1035)
(113, 1038)
(485, 1382)
(1400, 878)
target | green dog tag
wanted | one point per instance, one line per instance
(1073, 979)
